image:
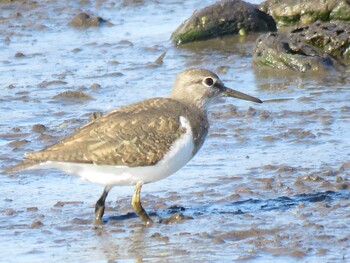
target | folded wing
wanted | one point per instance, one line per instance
(135, 135)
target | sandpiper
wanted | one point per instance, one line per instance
(139, 143)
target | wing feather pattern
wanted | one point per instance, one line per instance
(136, 135)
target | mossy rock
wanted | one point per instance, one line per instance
(304, 12)
(278, 51)
(223, 18)
(334, 39)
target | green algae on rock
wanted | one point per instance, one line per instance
(281, 52)
(317, 46)
(222, 18)
(304, 12)
(330, 37)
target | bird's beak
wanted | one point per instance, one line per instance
(239, 95)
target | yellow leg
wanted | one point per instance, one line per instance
(136, 204)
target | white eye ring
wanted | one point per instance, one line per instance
(208, 82)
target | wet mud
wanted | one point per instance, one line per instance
(271, 182)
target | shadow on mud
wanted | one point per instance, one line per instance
(280, 203)
(241, 207)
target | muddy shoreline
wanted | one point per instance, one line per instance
(270, 183)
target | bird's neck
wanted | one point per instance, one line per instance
(198, 104)
(197, 115)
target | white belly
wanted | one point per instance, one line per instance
(179, 154)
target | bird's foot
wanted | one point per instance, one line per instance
(136, 204)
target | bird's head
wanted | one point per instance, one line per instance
(201, 87)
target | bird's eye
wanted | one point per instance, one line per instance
(208, 82)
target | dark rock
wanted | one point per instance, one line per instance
(72, 95)
(36, 224)
(86, 20)
(160, 59)
(128, 3)
(330, 37)
(95, 86)
(76, 50)
(10, 212)
(18, 143)
(318, 46)
(39, 128)
(32, 209)
(223, 18)
(45, 83)
(160, 237)
(125, 43)
(63, 203)
(175, 218)
(19, 55)
(278, 51)
(303, 12)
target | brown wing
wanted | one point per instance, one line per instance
(135, 135)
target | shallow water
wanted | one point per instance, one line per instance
(270, 183)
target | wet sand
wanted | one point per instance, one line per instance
(271, 182)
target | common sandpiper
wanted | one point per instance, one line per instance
(139, 143)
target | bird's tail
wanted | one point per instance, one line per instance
(21, 166)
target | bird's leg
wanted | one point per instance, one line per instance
(136, 204)
(100, 205)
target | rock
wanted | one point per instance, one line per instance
(175, 218)
(278, 51)
(160, 59)
(317, 46)
(95, 86)
(18, 143)
(45, 83)
(160, 237)
(223, 18)
(330, 37)
(10, 212)
(63, 203)
(36, 224)
(39, 128)
(132, 3)
(86, 20)
(72, 95)
(303, 12)
(19, 55)
(32, 209)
